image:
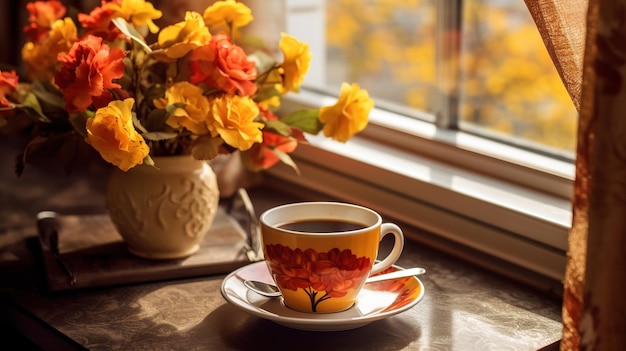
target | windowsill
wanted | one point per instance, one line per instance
(485, 308)
(449, 184)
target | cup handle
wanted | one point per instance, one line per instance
(398, 245)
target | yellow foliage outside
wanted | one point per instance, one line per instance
(508, 83)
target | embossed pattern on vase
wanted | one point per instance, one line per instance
(166, 210)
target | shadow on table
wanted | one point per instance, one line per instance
(240, 331)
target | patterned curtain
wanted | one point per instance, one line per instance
(593, 70)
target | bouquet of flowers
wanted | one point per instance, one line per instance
(195, 90)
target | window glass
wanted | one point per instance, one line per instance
(508, 81)
(507, 84)
(387, 46)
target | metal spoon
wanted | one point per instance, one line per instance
(270, 290)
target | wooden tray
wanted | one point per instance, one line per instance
(92, 254)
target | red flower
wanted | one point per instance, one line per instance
(88, 69)
(8, 84)
(98, 22)
(265, 155)
(41, 15)
(224, 66)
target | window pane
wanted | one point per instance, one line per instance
(387, 46)
(508, 82)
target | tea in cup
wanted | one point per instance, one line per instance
(320, 253)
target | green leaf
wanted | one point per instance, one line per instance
(252, 41)
(67, 149)
(156, 136)
(126, 81)
(148, 161)
(266, 92)
(32, 108)
(137, 123)
(206, 148)
(33, 113)
(128, 30)
(49, 98)
(156, 119)
(155, 91)
(172, 108)
(262, 60)
(279, 127)
(286, 159)
(41, 102)
(307, 120)
(79, 122)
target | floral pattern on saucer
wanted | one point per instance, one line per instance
(376, 301)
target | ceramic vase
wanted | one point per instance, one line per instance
(165, 211)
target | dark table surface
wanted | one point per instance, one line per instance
(464, 307)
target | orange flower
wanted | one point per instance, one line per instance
(196, 90)
(98, 22)
(223, 65)
(41, 15)
(138, 12)
(88, 69)
(8, 85)
(266, 154)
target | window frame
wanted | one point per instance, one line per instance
(474, 196)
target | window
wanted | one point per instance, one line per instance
(426, 159)
(508, 83)
(397, 38)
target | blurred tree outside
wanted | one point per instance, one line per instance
(508, 83)
(387, 46)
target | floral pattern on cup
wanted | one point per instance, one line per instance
(321, 275)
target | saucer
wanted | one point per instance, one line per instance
(376, 301)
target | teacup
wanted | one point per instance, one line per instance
(320, 253)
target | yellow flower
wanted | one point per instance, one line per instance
(229, 13)
(112, 134)
(297, 60)
(41, 59)
(139, 12)
(349, 115)
(234, 121)
(193, 115)
(182, 37)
